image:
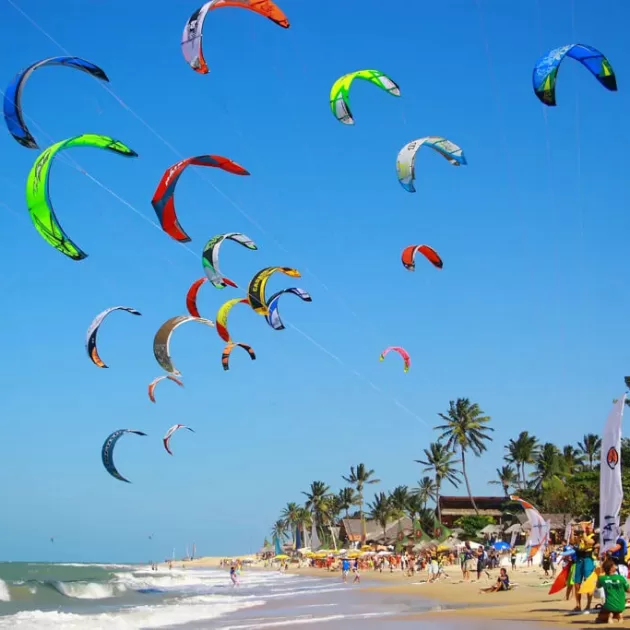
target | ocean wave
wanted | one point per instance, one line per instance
(263, 622)
(89, 590)
(136, 618)
(5, 596)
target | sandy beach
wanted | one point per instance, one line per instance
(529, 602)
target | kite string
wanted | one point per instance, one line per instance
(73, 163)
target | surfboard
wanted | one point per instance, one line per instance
(560, 582)
(588, 586)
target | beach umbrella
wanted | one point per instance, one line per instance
(500, 545)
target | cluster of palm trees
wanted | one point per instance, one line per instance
(537, 471)
(464, 431)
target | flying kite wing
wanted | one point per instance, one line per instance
(546, 70)
(222, 316)
(409, 256)
(107, 452)
(92, 332)
(340, 92)
(210, 257)
(155, 381)
(401, 351)
(162, 340)
(273, 314)
(169, 433)
(227, 351)
(13, 96)
(163, 201)
(257, 285)
(37, 196)
(405, 163)
(192, 48)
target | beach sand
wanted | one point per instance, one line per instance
(529, 602)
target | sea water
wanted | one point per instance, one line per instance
(132, 597)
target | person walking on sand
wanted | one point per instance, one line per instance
(615, 588)
(345, 568)
(469, 561)
(513, 558)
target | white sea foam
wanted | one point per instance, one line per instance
(90, 590)
(160, 616)
(300, 620)
(5, 596)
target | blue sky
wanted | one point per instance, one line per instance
(528, 317)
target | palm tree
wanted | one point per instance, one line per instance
(399, 499)
(572, 459)
(426, 491)
(465, 428)
(289, 515)
(347, 498)
(522, 452)
(317, 501)
(440, 460)
(381, 511)
(506, 477)
(415, 505)
(548, 464)
(359, 477)
(279, 530)
(303, 520)
(590, 446)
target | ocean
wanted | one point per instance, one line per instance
(131, 597)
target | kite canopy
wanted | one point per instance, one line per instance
(163, 201)
(227, 351)
(340, 92)
(409, 256)
(405, 163)
(258, 284)
(169, 433)
(92, 332)
(273, 314)
(402, 352)
(210, 257)
(192, 36)
(155, 381)
(223, 314)
(37, 196)
(546, 70)
(13, 95)
(107, 452)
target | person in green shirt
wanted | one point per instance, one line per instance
(615, 587)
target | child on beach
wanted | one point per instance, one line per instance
(615, 587)
(355, 569)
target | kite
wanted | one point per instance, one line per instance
(155, 381)
(107, 452)
(191, 297)
(193, 31)
(273, 314)
(257, 285)
(13, 95)
(222, 316)
(162, 340)
(225, 357)
(402, 352)
(409, 256)
(169, 433)
(163, 201)
(340, 92)
(38, 198)
(92, 332)
(210, 257)
(405, 163)
(546, 70)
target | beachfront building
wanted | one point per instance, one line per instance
(454, 508)
(350, 531)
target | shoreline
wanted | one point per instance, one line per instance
(529, 602)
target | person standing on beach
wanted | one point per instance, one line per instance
(584, 543)
(513, 558)
(355, 569)
(618, 555)
(469, 561)
(233, 575)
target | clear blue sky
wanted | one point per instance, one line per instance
(528, 317)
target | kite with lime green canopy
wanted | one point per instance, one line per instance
(37, 190)
(340, 92)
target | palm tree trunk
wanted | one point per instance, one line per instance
(506, 489)
(437, 498)
(361, 517)
(468, 482)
